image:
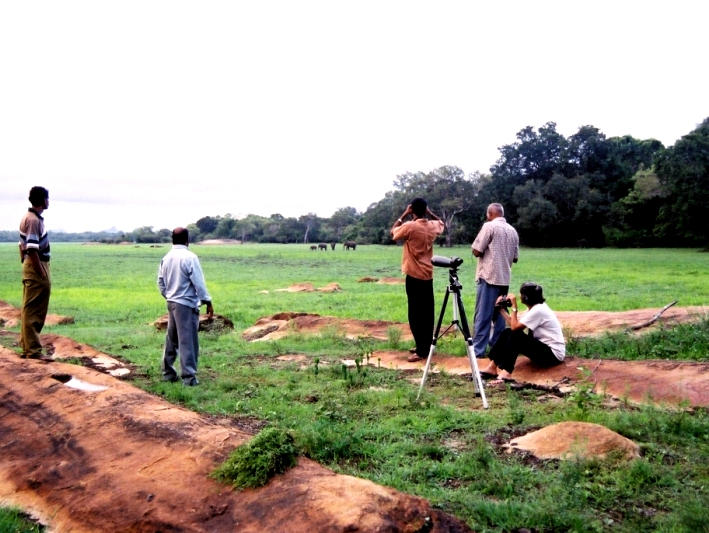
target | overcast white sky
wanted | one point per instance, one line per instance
(156, 113)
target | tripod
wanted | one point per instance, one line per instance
(454, 288)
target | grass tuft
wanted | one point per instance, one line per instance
(250, 466)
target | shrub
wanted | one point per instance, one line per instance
(253, 464)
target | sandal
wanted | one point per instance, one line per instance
(501, 381)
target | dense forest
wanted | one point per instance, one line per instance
(587, 190)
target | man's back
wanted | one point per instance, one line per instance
(180, 278)
(499, 244)
(418, 238)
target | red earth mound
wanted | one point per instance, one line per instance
(282, 324)
(577, 324)
(10, 317)
(568, 440)
(101, 455)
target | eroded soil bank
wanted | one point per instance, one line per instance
(122, 460)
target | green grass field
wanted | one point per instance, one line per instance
(369, 423)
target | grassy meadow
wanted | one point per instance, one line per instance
(367, 422)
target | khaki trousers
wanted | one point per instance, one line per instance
(35, 302)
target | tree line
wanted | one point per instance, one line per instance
(583, 190)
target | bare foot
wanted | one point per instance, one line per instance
(505, 375)
(502, 378)
(490, 369)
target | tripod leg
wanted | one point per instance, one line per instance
(477, 379)
(433, 343)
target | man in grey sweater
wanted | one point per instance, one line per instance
(181, 283)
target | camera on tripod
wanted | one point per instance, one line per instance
(446, 262)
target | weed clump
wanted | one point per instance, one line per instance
(250, 466)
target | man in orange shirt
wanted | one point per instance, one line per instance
(418, 236)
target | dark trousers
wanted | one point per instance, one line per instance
(513, 343)
(421, 310)
(182, 340)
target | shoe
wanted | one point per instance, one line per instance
(170, 379)
(37, 357)
(191, 383)
(414, 358)
(487, 375)
(412, 350)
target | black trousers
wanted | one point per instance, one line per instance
(421, 313)
(513, 343)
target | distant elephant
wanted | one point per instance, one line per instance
(350, 244)
(313, 247)
(322, 246)
(332, 245)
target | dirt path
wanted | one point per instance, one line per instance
(118, 459)
(660, 382)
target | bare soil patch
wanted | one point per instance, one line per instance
(279, 325)
(10, 317)
(577, 324)
(589, 323)
(121, 460)
(391, 281)
(309, 287)
(220, 241)
(662, 382)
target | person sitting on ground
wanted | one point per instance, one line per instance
(544, 344)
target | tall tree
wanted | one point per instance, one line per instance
(311, 222)
(341, 219)
(448, 191)
(536, 155)
(683, 171)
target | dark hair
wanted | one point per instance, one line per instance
(531, 294)
(180, 236)
(38, 195)
(418, 206)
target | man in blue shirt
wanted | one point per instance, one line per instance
(181, 283)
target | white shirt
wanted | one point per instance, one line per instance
(545, 327)
(180, 278)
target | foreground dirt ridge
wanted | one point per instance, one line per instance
(121, 460)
